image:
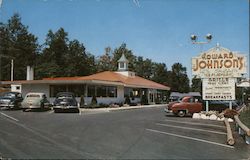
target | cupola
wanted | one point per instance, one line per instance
(123, 67)
(123, 63)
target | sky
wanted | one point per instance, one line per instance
(156, 29)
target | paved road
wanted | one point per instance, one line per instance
(129, 134)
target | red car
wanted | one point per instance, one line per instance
(188, 105)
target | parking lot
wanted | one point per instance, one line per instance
(146, 133)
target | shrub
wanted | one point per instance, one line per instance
(157, 100)
(94, 101)
(82, 102)
(245, 118)
(144, 100)
(127, 100)
(102, 105)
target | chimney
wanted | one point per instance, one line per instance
(30, 73)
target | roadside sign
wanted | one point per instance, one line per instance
(218, 88)
(219, 62)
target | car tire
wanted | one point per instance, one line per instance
(181, 113)
(77, 110)
(56, 110)
(24, 110)
(42, 106)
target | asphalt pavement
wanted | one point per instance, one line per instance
(146, 133)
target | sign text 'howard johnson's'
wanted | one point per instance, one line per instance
(219, 68)
(219, 63)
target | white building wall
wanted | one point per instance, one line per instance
(120, 94)
(16, 88)
(135, 100)
(44, 88)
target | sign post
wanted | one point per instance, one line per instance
(230, 105)
(207, 106)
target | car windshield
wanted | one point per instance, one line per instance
(33, 96)
(9, 95)
(180, 99)
(64, 96)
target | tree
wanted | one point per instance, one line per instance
(51, 61)
(75, 59)
(179, 78)
(104, 62)
(161, 75)
(62, 57)
(196, 85)
(18, 43)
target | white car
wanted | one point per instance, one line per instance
(35, 101)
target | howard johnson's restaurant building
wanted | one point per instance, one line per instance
(108, 87)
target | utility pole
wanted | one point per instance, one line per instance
(12, 66)
(12, 70)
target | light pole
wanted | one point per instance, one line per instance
(194, 41)
(201, 43)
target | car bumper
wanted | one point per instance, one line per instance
(65, 107)
(7, 105)
(167, 110)
(30, 107)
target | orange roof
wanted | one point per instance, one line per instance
(116, 77)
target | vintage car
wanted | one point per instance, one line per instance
(65, 101)
(11, 100)
(170, 104)
(188, 105)
(35, 101)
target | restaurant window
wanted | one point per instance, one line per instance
(132, 92)
(106, 91)
(136, 92)
(127, 91)
(101, 91)
(122, 65)
(54, 89)
(91, 91)
(78, 90)
(112, 91)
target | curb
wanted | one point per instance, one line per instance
(120, 108)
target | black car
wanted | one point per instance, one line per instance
(11, 100)
(65, 101)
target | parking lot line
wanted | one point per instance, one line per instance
(190, 138)
(9, 117)
(198, 124)
(195, 129)
(50, 111)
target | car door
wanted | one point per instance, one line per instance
(194, 105)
